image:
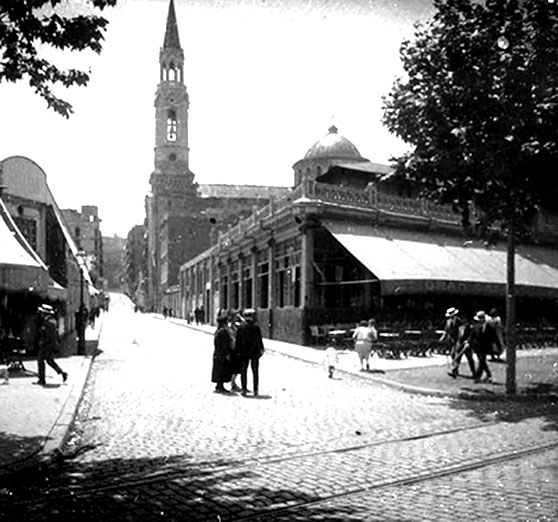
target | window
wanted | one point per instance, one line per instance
(247, 287)
(225, 296)
(235, 289)
(287, 276)
(263, 284)
(172, 126)
(28, 227)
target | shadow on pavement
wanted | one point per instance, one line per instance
(170, 489)
(19, 449)
(501, 410)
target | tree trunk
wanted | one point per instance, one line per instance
(511, 386)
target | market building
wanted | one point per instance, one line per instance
(349, 243)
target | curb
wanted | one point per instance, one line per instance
(52, 450)
(416, 390)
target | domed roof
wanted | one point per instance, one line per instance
(333, 145)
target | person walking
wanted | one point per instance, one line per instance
(330, 359)
(463, 348)
(363, 344)
(483, 336)
(249, 346)
(48, 343)
(222, 343)
(450, 336)
(497, 350)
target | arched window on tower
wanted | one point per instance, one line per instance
(171, 125)
(172, 72)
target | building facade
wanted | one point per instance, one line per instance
(85, 229)
(135, 265)
(352, 244)
(32, 214)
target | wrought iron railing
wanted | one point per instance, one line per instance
(370, 198)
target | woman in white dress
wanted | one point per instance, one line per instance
(363, 344)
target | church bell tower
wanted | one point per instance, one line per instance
(171, 117)
(173, 199)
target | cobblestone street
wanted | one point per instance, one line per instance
(154, 442)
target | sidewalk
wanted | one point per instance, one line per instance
(536, 371)
(35, 420)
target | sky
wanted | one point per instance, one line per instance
(266, 79)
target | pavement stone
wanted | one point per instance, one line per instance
(156, 444)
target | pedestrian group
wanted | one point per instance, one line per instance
(238, 345)
(483, 338)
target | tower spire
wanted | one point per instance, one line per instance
(172, 40)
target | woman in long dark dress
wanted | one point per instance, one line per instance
(222, 342)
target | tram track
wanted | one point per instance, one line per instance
(192, 470)
(406, 481)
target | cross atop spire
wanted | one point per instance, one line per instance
(172, 40)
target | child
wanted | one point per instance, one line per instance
(330, 360)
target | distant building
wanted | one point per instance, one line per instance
(114, 263)
(135, 258)
(182, 216)
(85, 228)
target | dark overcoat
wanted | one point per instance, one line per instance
(222, 343)
(48, 338)
(249, 343)
(482, 338)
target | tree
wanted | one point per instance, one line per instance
(479, 106)
(27, 25)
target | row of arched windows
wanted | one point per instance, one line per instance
(171, 73)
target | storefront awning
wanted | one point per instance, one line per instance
(19, 269)
(408, 262)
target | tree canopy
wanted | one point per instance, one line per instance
(479, 106)
(26, 26)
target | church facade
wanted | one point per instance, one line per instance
(181, 215)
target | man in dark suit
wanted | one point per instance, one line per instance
(48, 343)
(483, 337)
(250, 348)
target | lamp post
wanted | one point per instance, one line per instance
(511, 384)
(80, 316)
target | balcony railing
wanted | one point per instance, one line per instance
(370, 198)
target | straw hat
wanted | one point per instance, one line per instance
(46, 309)
(451, 312)
(480, 316)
